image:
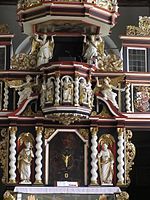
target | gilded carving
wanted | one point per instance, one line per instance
(94, 130)
(84, 133)
(48, 132)
(130, 155)
(142, 30)
(4, 29)
(9, 195)
(4, 143)
(122, 196)
(23, 4)
(66, 118)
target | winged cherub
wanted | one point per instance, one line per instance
(106, 87)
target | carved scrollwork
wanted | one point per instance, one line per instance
(84, 133)
(130, 155)
(4, 143)
(48, 132)
(142, 30)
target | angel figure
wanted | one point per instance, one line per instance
(25, 89)
(106, 88)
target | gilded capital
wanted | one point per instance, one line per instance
(39, 129)
(120, 131)
(13, 129)
(94, 130)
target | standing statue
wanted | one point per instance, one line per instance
(24, 162)
(67, 89)
(90, 53)
(46, 50)
(106, 88)
(106, 165)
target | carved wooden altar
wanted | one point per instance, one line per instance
(68, 106)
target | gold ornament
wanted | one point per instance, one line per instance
(130, 155)
(123, 196)
(4, 144)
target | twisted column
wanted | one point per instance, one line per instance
(6, 92)
(90, 94)
(76, 91)
(57, 90)
(12, 156)
(120, 158)
(94, 153)
(38, 161)
(128, 98)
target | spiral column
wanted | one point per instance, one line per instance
(38, 161)
(12, 156)
(128, 98)
(94, 174)
(120, 158)
(6, 92)
(76, 91)
(57, 90)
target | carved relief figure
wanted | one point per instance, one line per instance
(106, 88)
(50, 91)
(25, 89)
(83, 92)
(67, 89)
(25, 157)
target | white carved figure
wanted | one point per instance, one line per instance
(106, 165)
(24, 162)
(91, 53)
(25, 89)
(50, 91)
(46, 50)
(106, 88)
(67, 88)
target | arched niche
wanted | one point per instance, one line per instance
(66, 157)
